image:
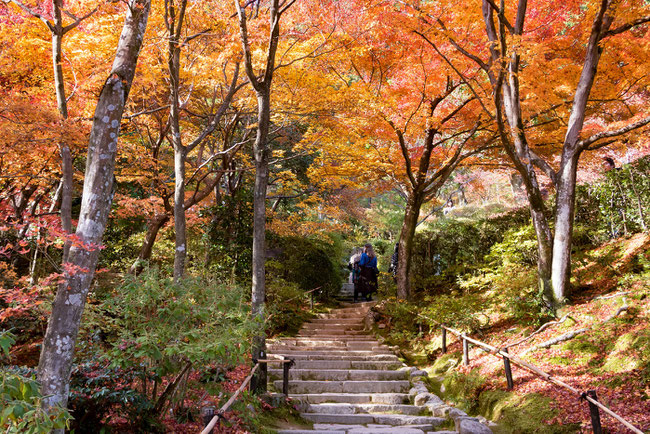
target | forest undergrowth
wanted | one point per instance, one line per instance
(598, 341)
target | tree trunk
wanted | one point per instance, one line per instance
(180, 151)
(66, 197)
(544, 248)
(180, 253)
(566, 185)
(62, 106)
(58, 346)
(154, 226)
(562, 240)
(407, 234)
(260, 150)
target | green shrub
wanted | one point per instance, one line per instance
(310, 263)
(155, 331)
(287, 305)
(96, 390)
(617, 204)
(20, 399)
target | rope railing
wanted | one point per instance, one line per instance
(590, 396)
(211, 418)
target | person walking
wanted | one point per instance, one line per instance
(369, 271)
(355, 270)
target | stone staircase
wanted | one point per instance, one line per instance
(346, 381)
(347, 292)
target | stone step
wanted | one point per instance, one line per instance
(334, 331)
(310, 387)
(366, 357)
(316, 341)
(353, 346)
(334, 321)
(350, 398)
(346, 364)
(337, 337)
(359, 316)
(332, 325)
(332, 353)
(340, 375)
(346, 408)
(361, 429)
(381, 419)
(321, 338)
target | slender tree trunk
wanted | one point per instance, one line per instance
(407, 234)
(261, 152)
(639, 205)
(57, 59)
(58, 346)
(62, 106)
(66, 197)
(180, 253)
(175, 24)
(154, 226)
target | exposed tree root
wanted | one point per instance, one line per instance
(539, 330)
(572, 334)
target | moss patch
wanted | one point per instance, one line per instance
(520, 414)
(512, 412)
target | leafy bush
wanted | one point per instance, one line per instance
(156, 332)
(96, 390)
(452, 247)
(518, 247)
(310, 263)
(161, 322)
(616, 205)
(20, 399)
(287, 305)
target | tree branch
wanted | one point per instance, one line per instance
(626, 27)
(586, 144)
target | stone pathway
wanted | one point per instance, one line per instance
(345, 381)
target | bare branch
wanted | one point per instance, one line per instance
(587, 143)
(626, 27)
(32, 13)
(77, 20)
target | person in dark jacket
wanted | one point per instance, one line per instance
(369, 271)
(394, 261)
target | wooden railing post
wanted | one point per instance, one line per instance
(207, 413)
(594, 413)
(506, 364)
(285, 376)
(444, 340)
(465, 351)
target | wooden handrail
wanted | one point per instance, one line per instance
(208, 428)
(495, 351)
(287, 364)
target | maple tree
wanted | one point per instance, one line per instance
(532, 114)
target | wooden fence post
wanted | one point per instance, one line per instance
(444, 340)
(285, 377)
(506, 364)
(207, 413)
(465, 351)
(594, 413)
